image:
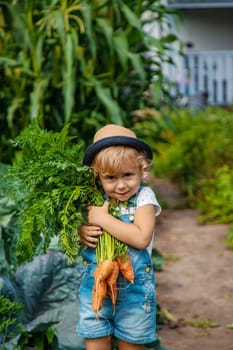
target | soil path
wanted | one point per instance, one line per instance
(195, 288)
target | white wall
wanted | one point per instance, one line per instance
(209, 29)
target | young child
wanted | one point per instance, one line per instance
(120, 161)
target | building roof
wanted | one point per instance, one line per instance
(198, 4)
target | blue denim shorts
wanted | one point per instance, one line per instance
(133, 319)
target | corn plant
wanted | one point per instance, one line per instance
(77, 61)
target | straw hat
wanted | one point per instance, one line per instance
(115, 135)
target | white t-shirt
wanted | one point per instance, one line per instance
(147, 196)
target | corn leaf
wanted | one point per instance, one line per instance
(104, 94)
(133, 20)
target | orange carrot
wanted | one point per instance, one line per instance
(112, 278)
(96, 273)
(111, 282)
(112, 292)
(126, 268)
(104, 270)
(101, 273)
(98, 294)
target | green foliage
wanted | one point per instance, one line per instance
(77, 61)
(40, 338)
(9, 325)
(229, 240)
(51, 189)
(217, 193)
(157, 260)
(8, 231)
(198, 156)
(197, 145)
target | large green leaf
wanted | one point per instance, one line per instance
(122, 48)
(47, 287)
(87, 15)
(107, 30)
(37, 94)
(104, 95)
(131, 16)
(69, 74)
(137, 64)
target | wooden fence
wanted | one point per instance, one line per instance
(206, 74)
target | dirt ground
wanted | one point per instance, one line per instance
(195, 287)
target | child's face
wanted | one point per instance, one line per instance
(123, 184)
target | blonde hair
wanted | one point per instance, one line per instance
(109, 160)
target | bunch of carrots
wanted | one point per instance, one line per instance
(112, 259)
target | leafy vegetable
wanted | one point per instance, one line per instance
(51, 188)
(47, 289)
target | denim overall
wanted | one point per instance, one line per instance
(133, 319)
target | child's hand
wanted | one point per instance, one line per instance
(95, 213)
(89, 235)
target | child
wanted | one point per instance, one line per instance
(120, 161)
